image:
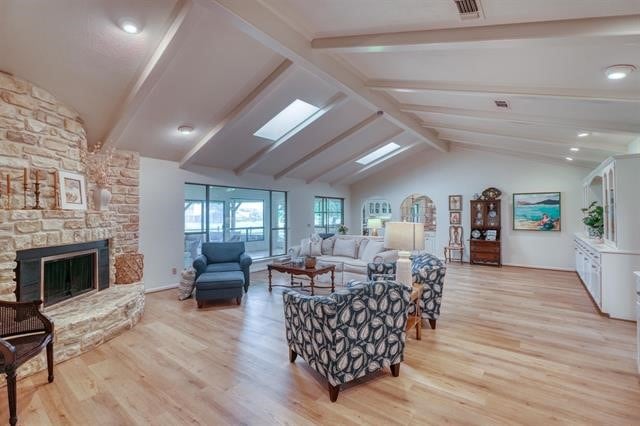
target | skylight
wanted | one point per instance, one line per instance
(288, 119)
(378, 153)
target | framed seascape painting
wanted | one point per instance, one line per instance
(537, 211)
(73, 191)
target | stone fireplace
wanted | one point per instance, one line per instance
(65, 257)
(60, 273)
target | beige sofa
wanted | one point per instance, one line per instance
(353, 265)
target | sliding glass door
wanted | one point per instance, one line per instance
(222, 214)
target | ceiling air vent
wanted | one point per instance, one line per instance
(468, 9)
(502, 104)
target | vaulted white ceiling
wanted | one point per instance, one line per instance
(408, 71)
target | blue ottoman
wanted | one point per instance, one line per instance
(219, 285)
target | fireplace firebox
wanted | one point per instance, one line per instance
(55, 274)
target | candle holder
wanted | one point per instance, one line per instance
(25, 188)
(37, 194)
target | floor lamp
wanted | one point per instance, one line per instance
(405, 237)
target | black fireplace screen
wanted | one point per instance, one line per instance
(68, 277)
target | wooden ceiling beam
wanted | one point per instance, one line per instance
(261, 155)
(260, 92)
(261, 23)
(400, 86)
(354, 157)
(150, 75)
(604, 147)
(335, 141)
(572, 123)
(525, 31)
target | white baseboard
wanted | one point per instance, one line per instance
(550, 268)
(162, 288)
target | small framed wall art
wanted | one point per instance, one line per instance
(455, 202)
(454, 218)
(73, 191)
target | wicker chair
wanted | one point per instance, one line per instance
(24, 332)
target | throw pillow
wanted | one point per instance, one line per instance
(345, 247)
(310, 247)
(361, 246)
(371, 250)
(316, 248)
(305, 247)
(185, 288)
(327, 246)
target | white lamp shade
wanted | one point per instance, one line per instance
(405, 236)
(374, 223)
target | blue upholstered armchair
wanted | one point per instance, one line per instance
(349, 333)
(429, 271)
(223, 257)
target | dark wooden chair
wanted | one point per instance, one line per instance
(24, 333)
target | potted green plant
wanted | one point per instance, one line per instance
(342, 229)
(594, 220)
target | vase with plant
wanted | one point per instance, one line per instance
(98, 165)
(594, 220)
(342, 229)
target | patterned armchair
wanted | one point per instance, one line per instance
(349, 333)
(381, 270)
(429, 271)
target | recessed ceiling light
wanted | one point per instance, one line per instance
(185, 130)
(568, 158)
(617, 72)
(583, 134)
(129, 25)
(378, 153)
(295, 114)
(574, 149)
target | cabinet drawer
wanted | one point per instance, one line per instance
(485, 247)
(485, 257)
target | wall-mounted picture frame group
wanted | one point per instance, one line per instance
(537, 211)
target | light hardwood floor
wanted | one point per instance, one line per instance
(512, 346)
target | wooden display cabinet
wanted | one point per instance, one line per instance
(485, 219)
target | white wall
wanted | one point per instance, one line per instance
(634, 147)
(466, 172)
(162, 211)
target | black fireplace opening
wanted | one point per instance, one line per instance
(67, 277)
(54, 274)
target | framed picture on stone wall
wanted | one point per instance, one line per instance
(73, 191)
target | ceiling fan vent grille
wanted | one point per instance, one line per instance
(501, 104)
(468, 9)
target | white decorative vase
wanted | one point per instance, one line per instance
(101, 198)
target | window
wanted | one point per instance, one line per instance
(297, 113)
(218, 214)
(247, 220)
(378, 153)
(328, 214)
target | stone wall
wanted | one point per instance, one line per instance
(43, 135)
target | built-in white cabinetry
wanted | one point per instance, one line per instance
(607, 267)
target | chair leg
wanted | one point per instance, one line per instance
(238, 300)
(333, 392)
(200, 304)
(292, 355)
(50, 361)
(432, 323)
(395, 369)
(11, 391)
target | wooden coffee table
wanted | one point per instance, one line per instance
(298, 271)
